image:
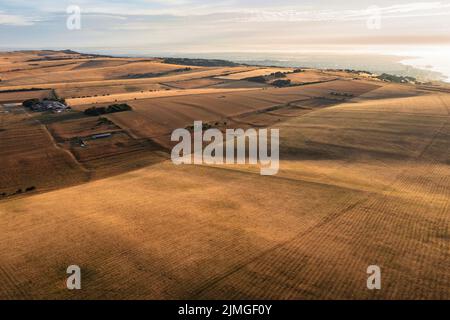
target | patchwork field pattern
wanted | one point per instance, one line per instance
(364, 180)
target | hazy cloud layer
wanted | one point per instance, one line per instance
(224, 25)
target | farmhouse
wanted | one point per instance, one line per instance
(54, 106)
(45, 105)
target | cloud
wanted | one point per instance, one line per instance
(223, 24)
(242, 10)
(415, 9)
(14, 20)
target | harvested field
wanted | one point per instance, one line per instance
(194, 84)
(85, 71)
(309, 76)
(30, 157)
(240, 84)
(254, 73)
(114, 153)
(335, 212)
(196, 74)
(157, 118)
(364, 180)
(20, 96)
(75, 92)
(120, 97)
(84, 126)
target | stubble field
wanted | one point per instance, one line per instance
(363, 180)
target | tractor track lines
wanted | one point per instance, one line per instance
(378, 206)
(199, 291)
(10, 286)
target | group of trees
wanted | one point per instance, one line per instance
(97, 111)
(342, 94)
(281, 83)
(201, 62)
(277, 77)
(19, 191)
(30, 103)
(396, 79)
(259, 79)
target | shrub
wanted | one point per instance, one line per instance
(259, 79)
(94, 111)
(30, 103)
(118, 108)
(97, 111)
(281, 83)
(278, 74)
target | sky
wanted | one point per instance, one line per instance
(224, 25)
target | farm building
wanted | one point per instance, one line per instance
(46, 105)
(101, 136)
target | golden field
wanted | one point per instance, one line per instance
(364, 180)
